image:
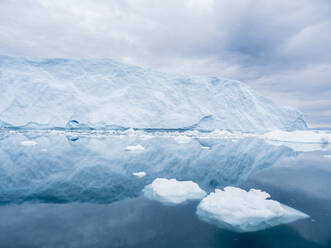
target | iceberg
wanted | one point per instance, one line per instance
(84, 93)
(241, 211)
(172, 191)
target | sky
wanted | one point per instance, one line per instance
(282, 49)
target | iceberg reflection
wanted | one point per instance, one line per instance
(100, 169)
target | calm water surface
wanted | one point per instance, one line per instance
(70, 191)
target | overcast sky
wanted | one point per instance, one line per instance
(282, 49)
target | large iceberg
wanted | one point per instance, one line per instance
(105, 93)
(238, 210)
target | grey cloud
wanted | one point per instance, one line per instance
(281, 48)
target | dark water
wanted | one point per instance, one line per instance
(64, 192)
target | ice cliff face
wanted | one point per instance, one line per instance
(104, 92)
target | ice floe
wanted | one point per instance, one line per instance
(28, 143)
(139, 174)
(303, 141)
(135, 148)
(183, 139)
(304, 136)
(172, 191)
(245, 211)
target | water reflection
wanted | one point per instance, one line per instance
(94, 176)
(303, 183)
(100, 169)
(135, 222)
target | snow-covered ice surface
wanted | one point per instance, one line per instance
(245, 211)
(172, 191)
(28, 143)
(300, 140)
(139, 174)
(303, 136)
(102, 93)
(135, 148)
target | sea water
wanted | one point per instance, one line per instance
(61, 189)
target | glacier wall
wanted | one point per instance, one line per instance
(104, 92)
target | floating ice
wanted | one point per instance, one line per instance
(135, 148)
(327, 156)
(139, 174)
(221, 133)
(303, 136)
(183, 139)
(130, 132)
(97, 92)
(28, 143)
(300, 140)
(173, 191)
(238, 210)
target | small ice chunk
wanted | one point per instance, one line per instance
(28, 143)
(139, 174)
(183, 139)
(205, 147)
(130, 132)
(135, 148)
(327, 156)
(44, 150)
(173, 191)
(241, 211)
